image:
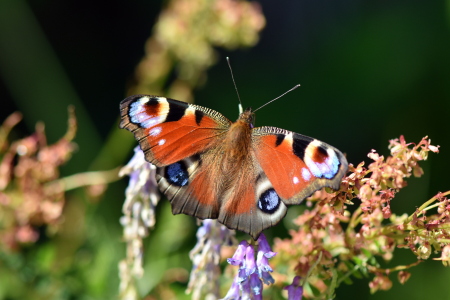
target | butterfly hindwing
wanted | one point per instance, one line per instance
(188, 188)
(169, 130)
(254, 207)
(246, 201)
(297, 165)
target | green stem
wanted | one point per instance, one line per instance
(356, 218)
(346, 275)
(82, 179)
(312, 268)
(395, 269)
(425, 205)
(332, 287)
(431, 206)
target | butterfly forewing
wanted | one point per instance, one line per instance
(169, 130)
(297, 165)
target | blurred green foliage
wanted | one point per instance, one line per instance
(369, 71)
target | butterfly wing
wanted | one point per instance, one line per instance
(169, 130)
(283, 168)
(297, 165)
(178, 137)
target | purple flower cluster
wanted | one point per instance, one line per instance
(248, 283)
(205, 274)
(295, 290)
(138, 217)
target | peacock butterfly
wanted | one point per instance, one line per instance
(212, 168)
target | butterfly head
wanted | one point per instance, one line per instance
(247, 116)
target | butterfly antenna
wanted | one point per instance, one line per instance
(235, 87)
(298, 85)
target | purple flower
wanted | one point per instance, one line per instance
(142, 187)
(239, 255)
(256, 285)
(248, 283)
(141, 198)
(235, 291)
(262, 260)
(204, 279)
(249, 262)
(295, 290)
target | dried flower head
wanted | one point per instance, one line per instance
(28, 168)
(202, 25)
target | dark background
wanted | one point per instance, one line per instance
(369, 71)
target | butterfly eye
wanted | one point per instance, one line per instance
(250, 121)
(177, 174)
(269, 201)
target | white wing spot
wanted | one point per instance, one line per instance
(306, 174)
(295, 180)
(161, 142)
(155, 131)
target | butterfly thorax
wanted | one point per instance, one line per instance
(231, 155)
(237, 142)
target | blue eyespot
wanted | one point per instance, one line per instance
(177, 174)
(269, 201)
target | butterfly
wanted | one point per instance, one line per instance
(212, 168)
